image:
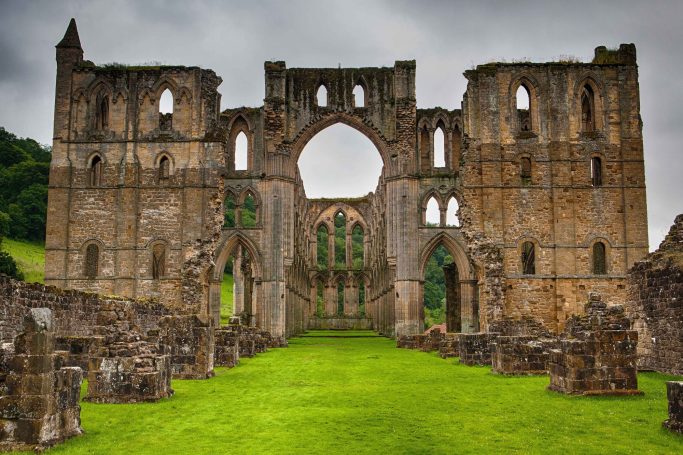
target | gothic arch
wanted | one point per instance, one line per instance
(534, 91)
(227, 247)
(355, 122)
(598, 89)
(457, 251)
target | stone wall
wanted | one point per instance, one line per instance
(75, 313)
(655, 303)
(475, 348)
(38, 399)
(597, 355)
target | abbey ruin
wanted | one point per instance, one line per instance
(542, 209)
(550, 200)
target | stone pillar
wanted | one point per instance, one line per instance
(349, 250)
(330, 300)
(674, 392)
(351, 300)
(469, 308)
(330, 250)
(39, 407)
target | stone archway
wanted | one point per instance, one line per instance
(462, 307)
(247, 273)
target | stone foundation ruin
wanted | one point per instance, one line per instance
(597, 353)
(38, 398)
(674, 392)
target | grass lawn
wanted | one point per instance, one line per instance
(30, 257)
(362, 395)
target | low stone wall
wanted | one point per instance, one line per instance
(74, 313)
(128, 368)
(450, 345)
(339, 323)
(655, 304)
(475, 348)
(424, 342)
(520, 355)
(597, 355)
(226, 349)
(38, 401)
(189, 341)
(674, 392)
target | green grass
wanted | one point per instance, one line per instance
(226, 298)
(362, 395)
(30, 257)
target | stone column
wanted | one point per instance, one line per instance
(453, 306)
(469, 308)
(238, 282)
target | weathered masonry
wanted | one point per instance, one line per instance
(549, 200)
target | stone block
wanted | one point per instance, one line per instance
(674, 393)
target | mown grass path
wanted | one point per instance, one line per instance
(362, 395)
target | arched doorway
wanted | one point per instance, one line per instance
(235, 282)
(449, 286)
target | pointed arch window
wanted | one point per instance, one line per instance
(95, 171)
(357, 245)
(523, 97)
(439, 145)
(92, 261)
(164, 168)
(340, 240)
(528, 258)
(452, 213)
(525, 170)
(166, 111)
(340, 298)
(102, 114)
(158, 261)
(587, 109)
(432, 213)
(241, 152)
(596, 171)
(359, 99)
(322, 247)
(321, 96)
(599, 259)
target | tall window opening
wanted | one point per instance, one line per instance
(102, 114)
(599, 259)
(587, 109)
(320, 299)
(359, 96)
(241, 152)
(237, 286)
(166, 111)
(435, 284)
(357, 243)
(340, 298)
(432, 213)
(523, 111)
(158, 261)
(345, 153)
(321, 96)
(528, 258)
(596, 171)
(92, 261)
(424, 149)
(525, 170)
(229, 211)
(248, 211)
(322, 245)
(361, 298)
(340, 241)
(164, 168)
(96, 171)
(452, 213)
(439, 146)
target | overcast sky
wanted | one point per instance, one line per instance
(446, 38)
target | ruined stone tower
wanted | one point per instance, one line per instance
(551, 198)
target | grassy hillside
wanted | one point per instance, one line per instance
(30, 257)
(362, 395)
